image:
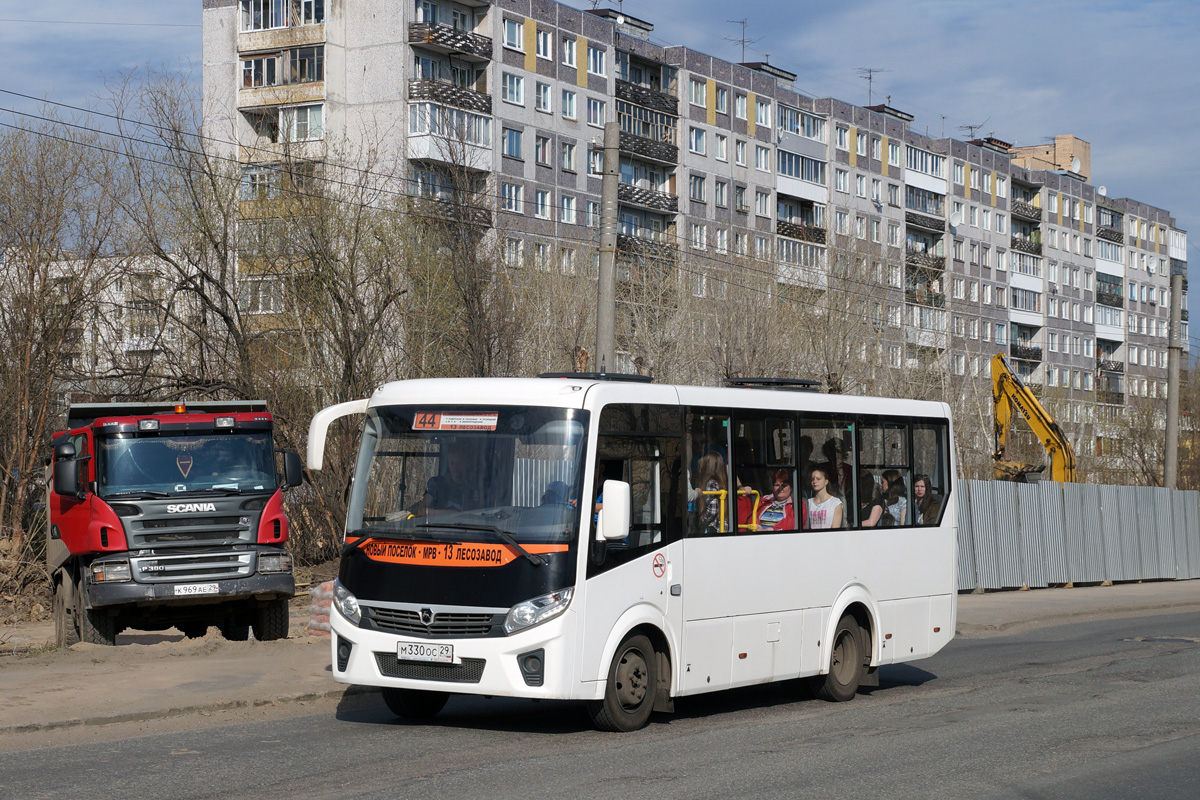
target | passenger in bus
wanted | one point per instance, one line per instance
(555, 494)
(836, 466)
(453, 489)
(824, 508)
(746, 511)
(778, 510)
(711, 483)
(895, 495)
(929, 505)
(873, 506)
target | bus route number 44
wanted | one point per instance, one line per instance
(416, 651)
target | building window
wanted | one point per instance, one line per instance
(568, 156)
(595, 112)
(739, 153)
(860, 185)
(841, 180)
(722, 146)
(739, 106)
(568, 51)
(541, 204)
(567, 210)
(762, 158)
(595, 162)
(842, 138)
(699, 236)
(696, 188)
(801, 167)
(596, 64)
(876, 153)
(696, 141)
(722, 101)
(697, 92)
(569, 110)
(739, 199)
(514, 35)
(512, 89)
(512, 143)
(545, 46)
(721, 194)
(927, 162)
(893, 234)
(762, 112)
(511, 195)
(541, 150)
(542, 100)
(301, 123)
(593, 214)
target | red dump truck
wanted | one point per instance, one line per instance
(166, 514)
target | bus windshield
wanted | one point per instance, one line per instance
(469, 474)
(179, 464)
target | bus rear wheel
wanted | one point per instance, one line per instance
(630, 690)
(413, 703)
(845, 663)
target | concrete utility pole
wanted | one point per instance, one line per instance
(606, 289)
(1174, 354)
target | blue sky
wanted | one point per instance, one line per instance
(1123, 75)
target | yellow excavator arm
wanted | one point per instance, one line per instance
(1010, 394)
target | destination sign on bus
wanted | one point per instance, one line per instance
(441, 421)
(450, 554)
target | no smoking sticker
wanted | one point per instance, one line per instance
(660, 565)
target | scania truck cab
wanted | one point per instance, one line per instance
(166, 515)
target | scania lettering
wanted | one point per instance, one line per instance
(165, 514)
(621, 543)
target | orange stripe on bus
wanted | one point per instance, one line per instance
(451, 554)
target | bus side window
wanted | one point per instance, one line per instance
(883, 454)
(931, 477)
(711, 491)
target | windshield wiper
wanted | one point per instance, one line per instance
(144, 494)
(363, 535)
(505, 536)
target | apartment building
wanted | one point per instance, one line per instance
(978, 246)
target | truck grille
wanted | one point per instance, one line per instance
(444, 625)
(469, 671)
(192, 567)
(188, 530)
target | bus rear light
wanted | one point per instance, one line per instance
(180, 408)
(147, 425)
(224, 422)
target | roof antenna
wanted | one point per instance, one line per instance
(602, 369)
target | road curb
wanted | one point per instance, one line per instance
(1066, 617)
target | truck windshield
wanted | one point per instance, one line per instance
(461, 474)
(184, 463)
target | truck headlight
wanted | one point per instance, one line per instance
(538, 610)
(347, 603)
(274, 562)
(110, 571)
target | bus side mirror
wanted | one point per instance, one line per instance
(66, 471)
(614, 516)
(293, 470)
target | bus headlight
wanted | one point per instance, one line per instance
(274, 562)
(106, 571)
(538, 610)
(347, 603)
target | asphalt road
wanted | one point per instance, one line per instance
(1099, 709)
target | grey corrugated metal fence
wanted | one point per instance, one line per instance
(1012, 535)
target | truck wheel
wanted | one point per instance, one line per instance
(93, 625)
(233, 632)
(414, 703)
(629, 691)
(64, 623)
(271, 621)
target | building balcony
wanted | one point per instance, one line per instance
(1113, 299)
(286, 94)
(647, 97)
(1020, 208)
(924, 221)
(281, 38)
(1179, 267)
(924, 259)
(1026, 246)
(451, 95)
(647, 245)
(647, 198)
(450, 41)
(454, 212)
(1110, 398)
(1111, 235)
(1110, 365)
(1034, 387)
(805, 233)
(925, 297)
(662, 152)
(1025, 352)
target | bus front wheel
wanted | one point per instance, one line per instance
(845, 663)
(630, 689)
